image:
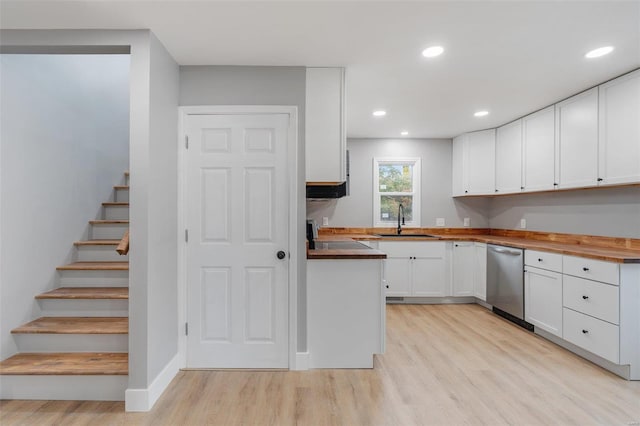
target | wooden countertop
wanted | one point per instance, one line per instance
(616, 251)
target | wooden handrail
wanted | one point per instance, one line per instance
(123, 247)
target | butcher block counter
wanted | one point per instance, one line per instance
(610, 249)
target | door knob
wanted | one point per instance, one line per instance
(281, 255)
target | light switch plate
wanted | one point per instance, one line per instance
(466, 221)
(523, 223)
(325, 221)
(440, 221)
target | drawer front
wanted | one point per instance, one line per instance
(590, 269)
(594, 335)
(592, 298)
(407, 249)
(544, 260)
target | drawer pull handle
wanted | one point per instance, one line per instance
(585, 297)
(585, 331)
(539, 260)
(585, 269)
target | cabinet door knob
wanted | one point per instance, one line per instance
(539, 260)
(585, 331)
(600, 179)
(496, 190)
(585, 269)
(522, 187)
(585, 297)
(555, 184)
(387, 286)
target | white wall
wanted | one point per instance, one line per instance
(612, 212)
(356, 210)
(64, 143)
(239, 85)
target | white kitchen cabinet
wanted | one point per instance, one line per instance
(538, 150)
(480, 164)
(619, 125)
(415, 268)
(459, 166)
(509, 158)
(577, 140)
(543, 299)
(325, 136)
(480, 271)
(463, 268)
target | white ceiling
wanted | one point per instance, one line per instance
(509, 57)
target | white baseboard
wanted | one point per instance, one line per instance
(302, 361)
(144, 399)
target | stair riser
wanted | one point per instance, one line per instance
(38, 342)
(121, 196)
(94, 278)
(99, 254)
(116, 213)
(81, 388)
(109, 231)
(83, 308)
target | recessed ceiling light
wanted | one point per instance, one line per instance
(404, 133)
(481, 113)
(601, 51)
(379, 113)
(433, 51)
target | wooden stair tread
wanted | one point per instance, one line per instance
(97, 243)
(123, 187)
(95, 266)
(75, 325)
(109, 222)
(115, 204)
(77, 363)
(86, 293)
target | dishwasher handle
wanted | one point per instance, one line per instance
(506, 251)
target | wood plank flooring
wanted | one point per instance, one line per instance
(444, 365)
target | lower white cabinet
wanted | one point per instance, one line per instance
(415, 268)
(543, 299)
(463, 268)
(592, 334)
(480, 272)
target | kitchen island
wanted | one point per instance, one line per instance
(345, 305)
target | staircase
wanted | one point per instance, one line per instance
(78, 349)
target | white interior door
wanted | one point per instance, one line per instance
(237, 219)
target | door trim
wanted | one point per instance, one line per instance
(293, 171)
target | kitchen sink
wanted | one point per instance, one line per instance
(408, 235)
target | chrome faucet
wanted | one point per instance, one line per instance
(400, 209)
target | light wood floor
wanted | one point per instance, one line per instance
(444, 365)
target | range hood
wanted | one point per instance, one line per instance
(324, 190)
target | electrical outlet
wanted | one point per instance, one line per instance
(523, 223)
(440, 221)
(466, 221)
(325, 221)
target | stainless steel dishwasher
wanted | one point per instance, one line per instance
(505, 282)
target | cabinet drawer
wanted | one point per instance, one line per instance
(590, 269)
(544, 260)
(413, 248)
(592, 334)
(592, 298)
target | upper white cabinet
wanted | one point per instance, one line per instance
(538, 150)
(459, 165)
(479, 165)
(619, 122)
(509, 158)
(325, 136)
(577, 140)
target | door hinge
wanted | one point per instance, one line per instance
(186, 328)
(186, 142)
(186, 235)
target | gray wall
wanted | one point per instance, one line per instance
(238, 85)
(613, 212)
(356, 210)
(64, 144)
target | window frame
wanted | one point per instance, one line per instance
(415, 162)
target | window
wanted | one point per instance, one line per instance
(396, 181)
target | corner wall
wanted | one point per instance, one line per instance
(64, 143)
